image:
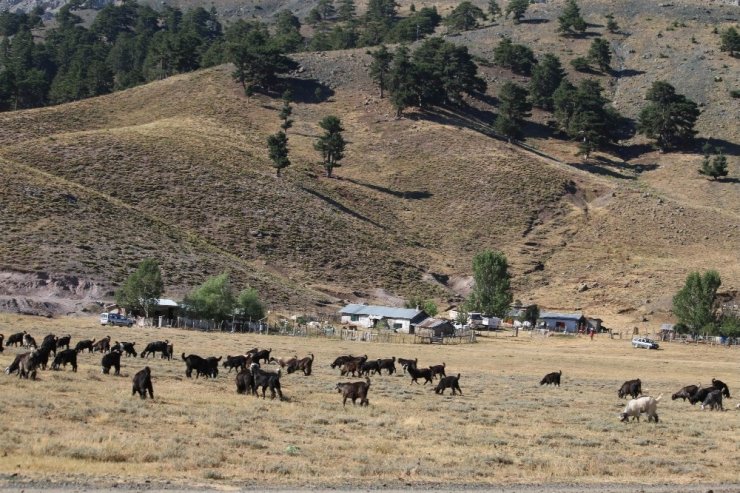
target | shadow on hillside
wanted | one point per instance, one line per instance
(728, 148)
(635, 168)
(600, 170)
(534, 21)
(729, 180)
(411, 195)
(633, 151)
(308, 91)
(341, 207)
(627, 72)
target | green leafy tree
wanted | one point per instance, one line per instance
(531, 314)
(416, 26)
(513, 108)
(331, 145)
(713, 166)
(212, 300)
(546, 77)
(492, 294)
(570, 21)
(462, 315)
(494, 10)
(517, 9)
(277, 146)
(730, 325)
(600, 53)
(695, 304)
(141, 291)
(519, 58)
(669, 117)
(380, 67)
(730, 41)
(383, 11)
(464, 17)
(287, 31)
(249, 305)
(611, 24)
(428, 306)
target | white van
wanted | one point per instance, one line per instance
(115, 319)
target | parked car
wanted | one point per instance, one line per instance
(644, 342)
(115, 319)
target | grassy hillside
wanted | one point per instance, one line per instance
(178, 170)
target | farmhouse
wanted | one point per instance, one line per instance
(367, 316)
(563, 322)
(435, 327)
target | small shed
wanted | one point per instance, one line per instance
(595, 324)
(563, 322)
(435, 327)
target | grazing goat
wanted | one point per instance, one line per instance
(416, 373)
(266, 379)
(50, 341)
(16, 339)
(685, 393)
(240, 361)
(126, 348)
(201, 366)
(112, 359)
(713, 400)
(16, 364)
(387, 364)
(451, 382)
(103, 345)
(406, 362)
(27, 365)
(29, 342)
(64, 357)
(303, 364)
(212, 363)
(354, 391)
(85, 344)
(64, 341)
(262, 355)
(630, 387)
(646, 404)
(155, 347)
(700, 395)
(42, 354)
(552, 378)
(245, 382)
(438, 370)
(720, 385)
(143, 383)
(169, 352)
(341, 360)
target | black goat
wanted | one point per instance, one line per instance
(685, 393)
(388, 364)
(266, 379)
(713, 400)
(720, 385)
(1, 343)
(369, 366)
(438, 370)
(552, 378)
(406, 362)
(416, 373)
(201, 366)
(700, 395)
(630, 387)
(15, 339)
(143, 383)
(29, 342)
(64, 357)
(64, 341)
(451, 382)
(341, 360)
(245, 382)
(112, 359)
(156, 347)
(261, 355)
(241, 361)
(85, 344)
(15, 365)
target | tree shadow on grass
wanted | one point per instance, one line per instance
(534, 21)
(412, 195)
(341, 207)
(601, 170)
(627, 72)
(308, 91)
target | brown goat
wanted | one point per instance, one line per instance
(354, 391)
(438, 370)
(304, 364)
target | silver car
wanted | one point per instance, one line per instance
(644, 342)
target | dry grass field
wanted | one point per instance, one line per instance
(87, 428)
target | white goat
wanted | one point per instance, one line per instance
(645, 404)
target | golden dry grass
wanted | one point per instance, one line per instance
(504, 429)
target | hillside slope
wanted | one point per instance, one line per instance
(177, 170)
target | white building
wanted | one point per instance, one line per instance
(367, 316)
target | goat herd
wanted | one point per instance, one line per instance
(251, 377)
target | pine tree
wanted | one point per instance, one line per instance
(546, 77)
(285, 112)
(519, 58)
(347, 10)
(713, 167)
(611, 24)
(331, 145)
(402, 81)
(600, 53)
(695, 304)
(380, 67)
(513, 108)
(277, 146)
(464, 17)
(669, 117)
(517, 9)
(570, 20)
(493, 9)
(730, 41)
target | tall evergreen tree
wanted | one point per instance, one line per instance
(464, 17)
(402, 81)
(494, 10)
(600, 54)
(713, 166)
(380, 67)
(611, 24)
(519, 58)
(695, 304)
(570, 21)
(546, 77)
(347, 10)
(492, 294)
(277, 146)
(517, 9)
(287, 31)
(331, 145)
(669, 117)
(285, 112)
(513, 109)
(730, 41)
(257, 61)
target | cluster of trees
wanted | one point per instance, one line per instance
(438, 72)
(126, 45)
(213, 300)
(696, 307)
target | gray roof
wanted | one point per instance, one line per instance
(431, 323)
(381, 311)
(562, 316)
